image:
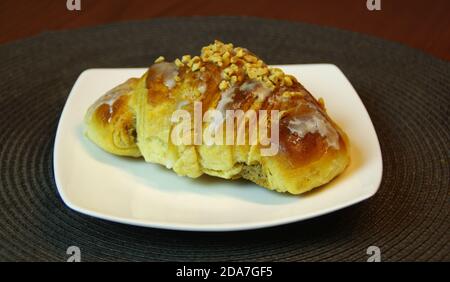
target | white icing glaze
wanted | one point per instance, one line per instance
(169, 83)
(262, 93)
(110, 97)
(257, 88)
(225, 99)
(248, 86)
(315, 123)
(168, 71)
(202, 88)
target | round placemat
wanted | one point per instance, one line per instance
(406, 92)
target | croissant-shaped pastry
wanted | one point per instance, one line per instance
(302, 149)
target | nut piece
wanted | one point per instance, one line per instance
(287, 80)
(224, 85)
(240, 52)
(186, 58)
(321, 102)
(196, 66)
(160, 59)
(289, 94)
(178, 63)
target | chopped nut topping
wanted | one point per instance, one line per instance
(240, 52)
(250, 58)
(237, 64)
(321, 102)
(196, 66)
(178, 63)
(186, 58)
(160, 59)
(289, 94)
(226, 58)
(224, 85)
(287, 80)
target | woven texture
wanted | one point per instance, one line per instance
(406, 92)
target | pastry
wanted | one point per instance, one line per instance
(294, 150)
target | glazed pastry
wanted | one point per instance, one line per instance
(137, 119)
(111, 121)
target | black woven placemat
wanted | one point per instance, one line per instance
(406, 92)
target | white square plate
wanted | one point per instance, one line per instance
(131, 191)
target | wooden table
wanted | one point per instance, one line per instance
(418, 23)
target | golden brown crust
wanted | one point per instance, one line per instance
(312, 149)
(111, 121)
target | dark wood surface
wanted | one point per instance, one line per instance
(418, 23)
